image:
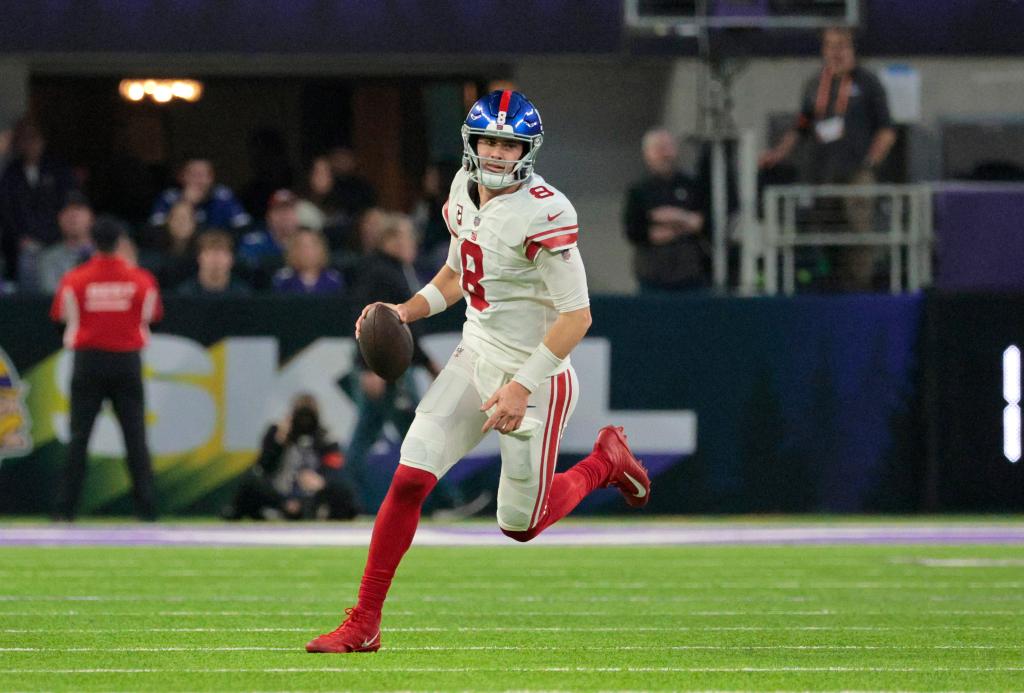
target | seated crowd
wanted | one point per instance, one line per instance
(199, 239)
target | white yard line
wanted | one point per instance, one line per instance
(628, 690)
(969, 562)
(527, 648)
(532, 629)
(646, 534)
(514, 670)
(510, 614)
(448, 598)
(420, 586)
(157, 630)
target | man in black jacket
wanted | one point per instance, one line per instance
(388, 276)
(33, 188)
(664, 219)
(296, 475)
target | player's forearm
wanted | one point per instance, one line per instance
(561, 338)
(416, 308)
(567, 331)
(447, 282)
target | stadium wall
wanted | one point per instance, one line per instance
(807, 404)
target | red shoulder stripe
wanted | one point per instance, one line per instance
(559, 228)
(558, 241)
(553, 243)
(444, 213)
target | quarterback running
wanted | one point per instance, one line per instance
(513, 256)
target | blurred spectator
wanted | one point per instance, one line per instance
(75, 221)
(296, 475)
(306, 271)
(371, 225)
(215, 205)
(427, 214)
(33, 188)
(176, 242)
(387, 273)
(361, 241)
(353, 192)
(270, 167)
(664, 220)
(310, 216)
(215, 258)
(261, 252)
(844, 113)
(320, 191)
(388, 276)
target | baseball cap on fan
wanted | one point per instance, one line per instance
(282, 198)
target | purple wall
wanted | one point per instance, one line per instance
(979, 235)
(311, 26)
(944, 26)
(481, 26)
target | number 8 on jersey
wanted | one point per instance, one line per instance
(473, 273)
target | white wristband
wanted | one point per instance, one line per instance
(434, 298)
(540, 366)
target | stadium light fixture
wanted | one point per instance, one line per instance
(161, 91)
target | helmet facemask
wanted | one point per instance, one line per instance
(474, 163)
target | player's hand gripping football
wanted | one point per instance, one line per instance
(400, 309)
(509, 404)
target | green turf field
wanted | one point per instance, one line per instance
(518, 617)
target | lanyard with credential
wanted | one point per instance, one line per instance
(842, 98)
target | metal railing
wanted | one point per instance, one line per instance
(894, 218)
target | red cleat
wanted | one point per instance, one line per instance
(627, 474)
(360, 632)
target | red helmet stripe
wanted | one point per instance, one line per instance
(506, 97)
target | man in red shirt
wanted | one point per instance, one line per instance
(107, 305)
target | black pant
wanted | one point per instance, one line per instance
(117, 376)
(256, 493)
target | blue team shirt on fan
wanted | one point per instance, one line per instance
(258, 247)
(220, 210)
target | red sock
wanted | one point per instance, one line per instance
(567, 490)
(393, 532)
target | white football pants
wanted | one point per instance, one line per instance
(448, 422)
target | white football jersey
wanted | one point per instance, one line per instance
(509, 308)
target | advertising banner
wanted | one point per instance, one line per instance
(736, 405)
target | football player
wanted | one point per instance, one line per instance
(513, 257)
